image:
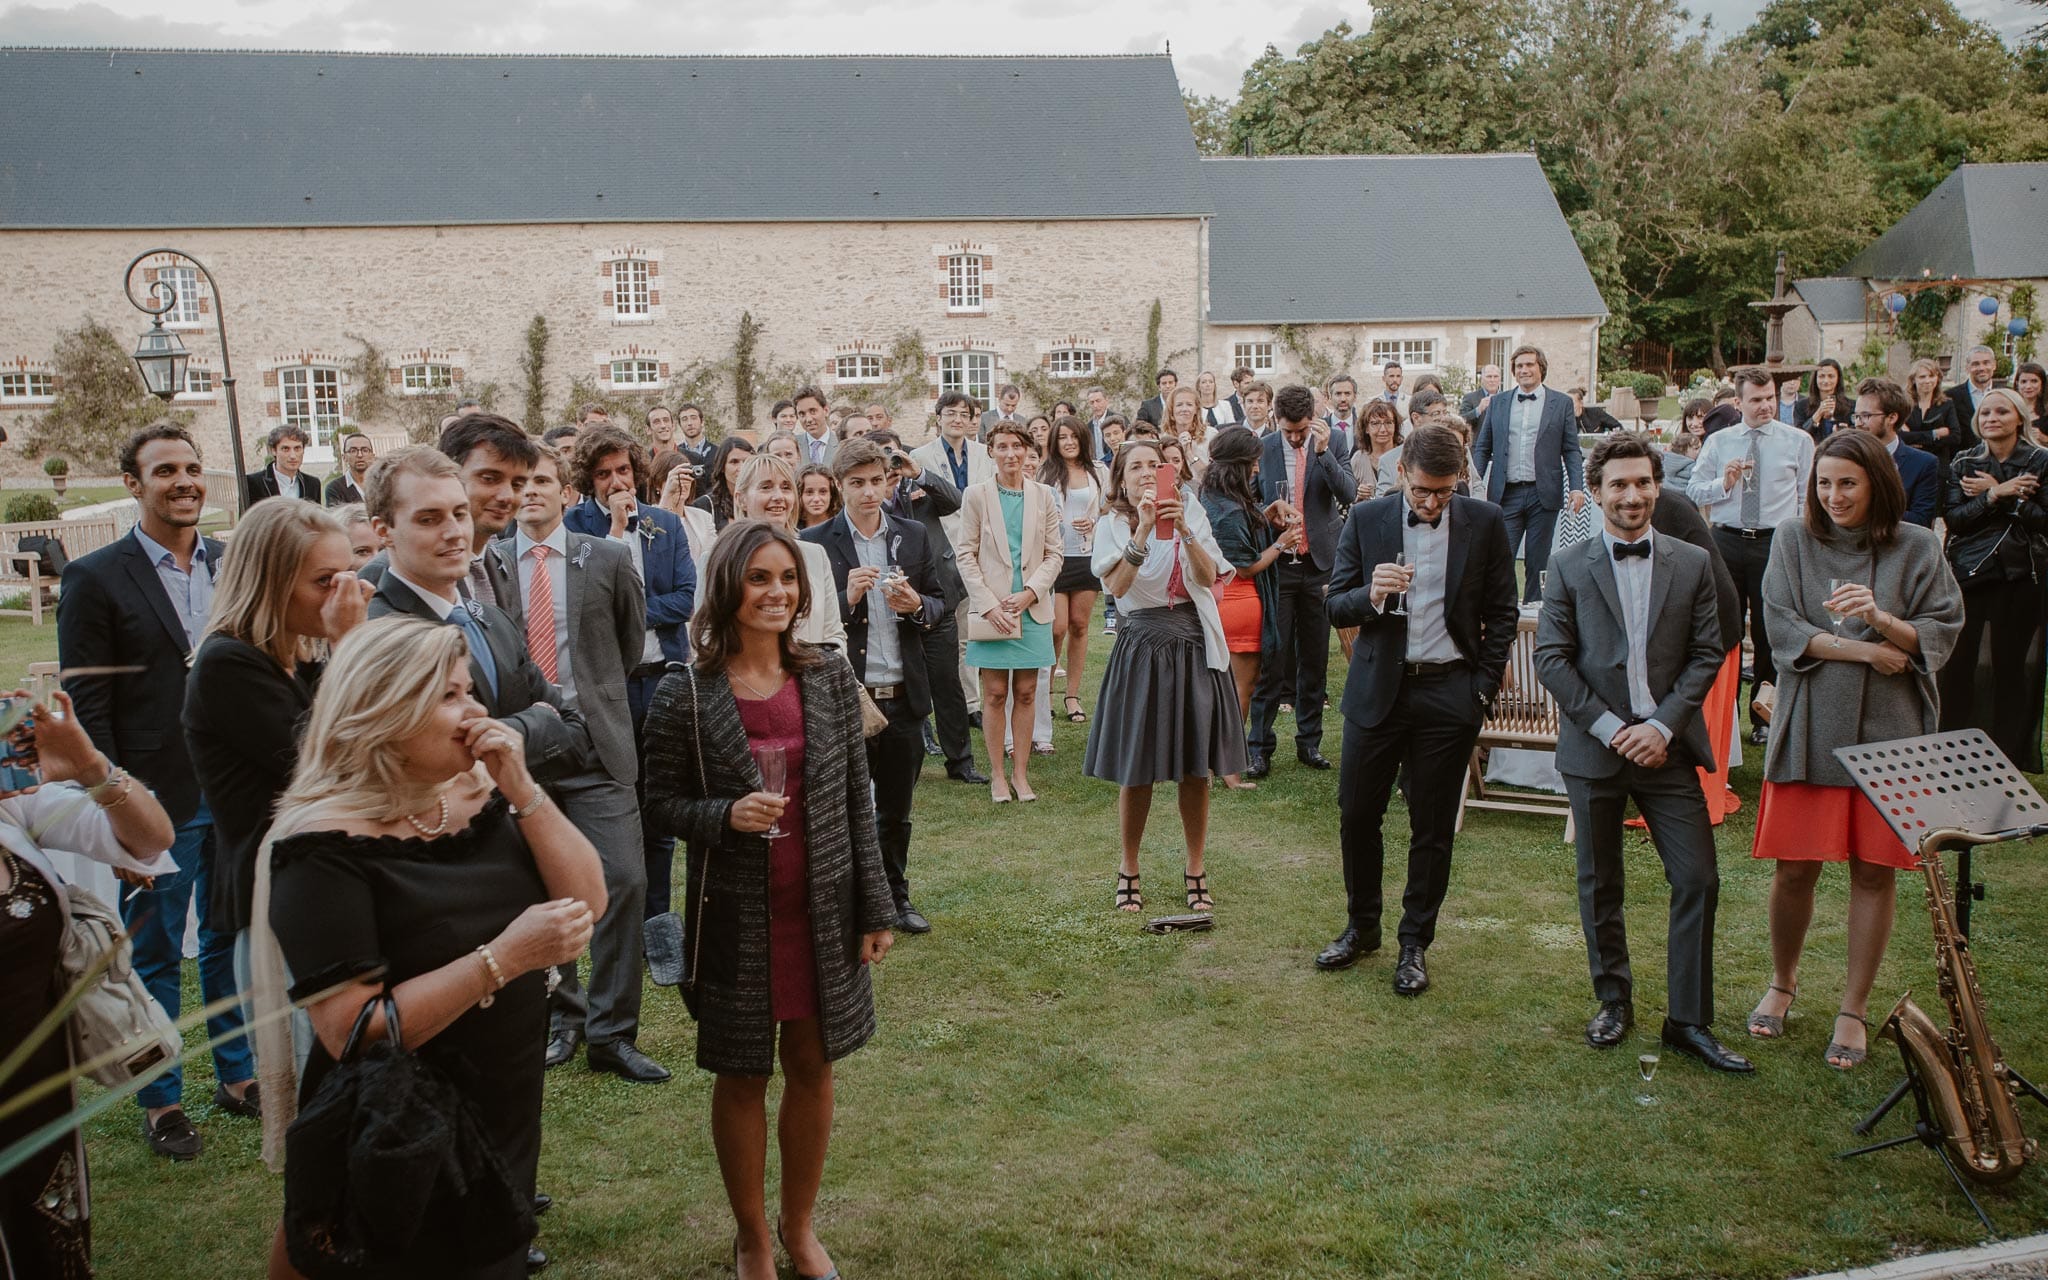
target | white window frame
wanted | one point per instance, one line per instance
(632, 289)
(963, 284)
(1409, 353)
(426, 377)
(857, 368)
(208, 392)
(185, 282)
(1256, 356)
(640, 373)
(316, 407)
(18, 386)
(971, 371)
(1072, 362)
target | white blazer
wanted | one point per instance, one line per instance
(985, 540)
(981, 468)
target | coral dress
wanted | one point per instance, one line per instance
(792, 961)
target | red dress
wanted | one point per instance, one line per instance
(1806, 822)
(792, 962)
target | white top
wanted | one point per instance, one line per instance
(650, 647)
(57, 826)
(557, 544)
(822, 625)
(1784, 456)
(1148, 591)
(1083, 502)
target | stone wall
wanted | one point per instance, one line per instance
(1570, 346)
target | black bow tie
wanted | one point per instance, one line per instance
(1623, 550)
(1525, 395)
(1414, 520)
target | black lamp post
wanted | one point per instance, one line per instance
(162, 360)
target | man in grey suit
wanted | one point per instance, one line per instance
(1531, 440)
(1629, 643)
(815, 441)
(1008, 396)
(1480, 398)
(585, 636)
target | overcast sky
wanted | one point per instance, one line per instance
(1213, 40)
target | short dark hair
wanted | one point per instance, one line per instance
(586, 412)
(1295, 403)
(1240, 373)
(599, 443)
(1433, 451)
(715, 626)
(808, 393)
(1009, 389)
(289, 431)
(1165, 373)
(1754, 376)
(1258, 387)
(1422, 402)
(1008, 428)
(861, 451)
(131, 452)
(555, 435)
(501, 436)
(884, 437)
(1527, 349)
(690, 406)
(1887, 490)
(947, 399)
(465, 405)
(1891, 397)
(1345, 377)
(1617, 446)
(779, 406)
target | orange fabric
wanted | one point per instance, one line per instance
(1799, 821)
(1719, 713)
(1239, 611)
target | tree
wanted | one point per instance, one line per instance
(1210, 118)
(100, 399)
(533, 367)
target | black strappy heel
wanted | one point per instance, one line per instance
(1198, 892)
(1127, 896)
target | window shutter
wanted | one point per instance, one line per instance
(394, 376)
(605, 269)
(608, 299)
(987, 291)
(654, 297)
(932, 363)
(1045, 361)
(149, 275)
(653, 268)
(270, 377)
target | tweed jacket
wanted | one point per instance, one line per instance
(725, 920)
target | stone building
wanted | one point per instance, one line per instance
(1840, 315)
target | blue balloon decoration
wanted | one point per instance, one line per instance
(1895, 302)
(1987, 306)
(2017, 326)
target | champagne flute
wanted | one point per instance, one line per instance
(1400, 609)
(1294, 532)
(1646, 1067)
(1835, 620)
(773, 762)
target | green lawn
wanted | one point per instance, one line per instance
(1055, 1094)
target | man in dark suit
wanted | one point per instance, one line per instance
(887, 616)
(1307, 465)
(1480, 398)
(1881, 406)
(142, 603)
(1009, 397)
(1531, 441)
(1592, 419)
(922, 494)
(1343, 415)
(610, 470)
(1628, 644)
(580, 606)
(357, 453)
(1434, 636)
(1154, 410)
(1979, 366)
(282, 477)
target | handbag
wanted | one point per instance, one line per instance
(389, 1170)
(872, 718)
(115, 1023)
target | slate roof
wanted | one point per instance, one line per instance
(1984, 222)
(1347, 239)
(170, 138)
(1834, 299)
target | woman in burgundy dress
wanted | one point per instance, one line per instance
(787, 902)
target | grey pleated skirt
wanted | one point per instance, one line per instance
(1163, 714)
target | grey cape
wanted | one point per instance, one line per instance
(1824, 704)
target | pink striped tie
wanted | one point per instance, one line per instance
(540, 616)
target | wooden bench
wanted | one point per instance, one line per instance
(1524, 718)
(20, 568)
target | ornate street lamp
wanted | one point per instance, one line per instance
(162, 360)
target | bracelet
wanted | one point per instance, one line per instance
(1134, 553)
(117, 780)
(497, 977)
(533, 806)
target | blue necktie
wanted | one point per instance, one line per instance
(479, 647)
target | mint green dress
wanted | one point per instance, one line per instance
(1032, 649)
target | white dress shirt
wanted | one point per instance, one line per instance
(557, 544)
(650, 649)
(1525, 418)
(1632, 584)
(885, 646)
(1784, 456)
(287, 486)
(1429, 550)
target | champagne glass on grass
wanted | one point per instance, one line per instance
(1646, 1067)
(774, 764)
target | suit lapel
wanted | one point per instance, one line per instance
(1660, 579)
(152, 588)
(578, 576)
(1602, 565)
(1454, 565)
(1002, 526)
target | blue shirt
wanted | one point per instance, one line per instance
(885, 647)
(958, 463)
(191, 593)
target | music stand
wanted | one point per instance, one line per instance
(1923, 787)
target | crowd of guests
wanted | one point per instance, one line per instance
(430, 732)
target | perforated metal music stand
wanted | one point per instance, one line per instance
(1921, 786)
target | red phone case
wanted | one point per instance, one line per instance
(1165, 481)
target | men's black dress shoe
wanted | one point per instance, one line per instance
(1699, 1042)
(911, 920)
(968, 773)
(542, 1202)
(1411, 976)
(535, 1259)
(1615, 1019)
(931, 743)
(623, 1059)
(561, 1047)
(1344, 952)
(249, 1106)
(1258, 766)
(1312, 758)
(974, 719)
(172, 1136)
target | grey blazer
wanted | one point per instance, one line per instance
(608, 630)
(1582, 651)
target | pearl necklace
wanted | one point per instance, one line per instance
(435, 830)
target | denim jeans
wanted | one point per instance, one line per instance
(156, 920)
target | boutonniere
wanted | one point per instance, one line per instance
(475, 607)
(648, 529)
(582, 554)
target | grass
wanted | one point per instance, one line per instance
(1054, 1094)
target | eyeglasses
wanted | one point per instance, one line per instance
(1444, 494)
(1860, 418)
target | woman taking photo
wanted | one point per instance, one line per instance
(767, 491)
(414, 855)
(732, 454)
(1168, 711)
(1081, 486)
(1861, 611)
(1998, 546)
(788, 904)
(1379, 436)
(678, 486)
(86, 807)
(1826, 406)
(817, 495)
(1009, 556)
(1230, 500)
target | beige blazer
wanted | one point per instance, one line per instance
(985, 540)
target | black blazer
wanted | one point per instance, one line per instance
(1153, 411)
(1326, 493)
(557, 741)
(941, 499)
(258, 485)
(114, 612)
(1920, 425)
(1479, 611)
(911, 551)
(341, 490)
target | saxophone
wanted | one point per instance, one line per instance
(1967, 1086)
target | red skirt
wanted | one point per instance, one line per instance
(1803, 822)
(1239, 610)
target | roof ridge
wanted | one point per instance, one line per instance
(599, 56)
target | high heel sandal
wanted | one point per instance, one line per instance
(831, 1275)
(1074, 713)
(1127, 896)
(1850, 1058)
(1771, 1026)
(1198, 892)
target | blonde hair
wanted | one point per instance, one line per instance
(1920, 366)
(750, 472)
(256, 582)
(1197, 429)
